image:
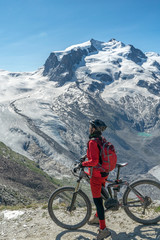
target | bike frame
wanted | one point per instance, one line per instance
(113, 184)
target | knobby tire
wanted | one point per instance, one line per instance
(63, 197)
(154, 188)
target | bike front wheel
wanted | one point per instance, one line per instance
(66, 212)
(142, 201)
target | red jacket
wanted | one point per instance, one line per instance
(93, 158)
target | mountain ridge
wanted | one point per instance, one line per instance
(115, 82)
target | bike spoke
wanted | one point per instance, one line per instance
(142, 201)
(68, 209)
(64, 211)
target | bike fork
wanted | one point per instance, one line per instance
(71, 207)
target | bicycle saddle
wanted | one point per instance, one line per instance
(121, 164)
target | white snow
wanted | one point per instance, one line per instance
(8, 214)
(81, 45)
(155, 172)
(33, 95)
(84, 45)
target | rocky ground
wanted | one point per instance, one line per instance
(35, 224)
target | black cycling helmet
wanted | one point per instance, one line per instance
(98, 125)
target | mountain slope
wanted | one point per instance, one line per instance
(21, 180)
(45, 114)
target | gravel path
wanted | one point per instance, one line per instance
(35, 224)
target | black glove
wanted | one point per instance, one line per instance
(82, 159)
(79, 166)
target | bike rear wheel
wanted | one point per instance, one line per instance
(142, 201)
(66, 214)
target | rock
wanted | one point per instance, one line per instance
(62, 71)
(136, 55)
(40, 228)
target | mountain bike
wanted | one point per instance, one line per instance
(70, 207)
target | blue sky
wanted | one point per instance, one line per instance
(31, 29)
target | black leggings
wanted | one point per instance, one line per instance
(99, 206)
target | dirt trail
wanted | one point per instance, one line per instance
(35, 224)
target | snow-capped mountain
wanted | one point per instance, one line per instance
(45, 114)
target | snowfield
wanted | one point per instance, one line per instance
(45, 116)
(155, 172)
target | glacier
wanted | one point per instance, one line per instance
(45, 114)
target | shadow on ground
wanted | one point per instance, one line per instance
(151, 232)
(144, 232)
(80, 232)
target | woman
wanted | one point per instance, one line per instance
(97, 179)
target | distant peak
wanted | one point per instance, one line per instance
(97, 44)
(95, 41)
(113, 40)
